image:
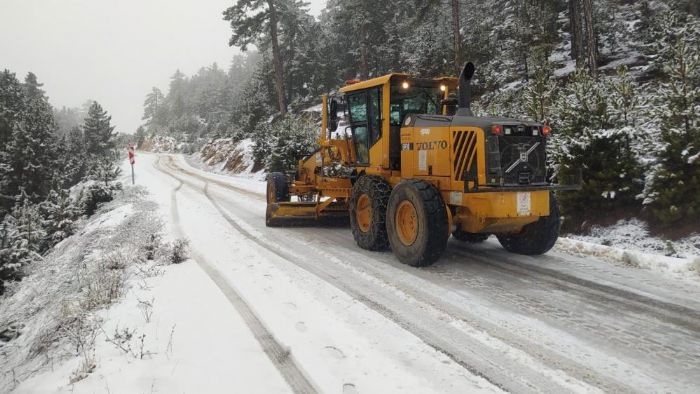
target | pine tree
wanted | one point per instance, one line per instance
(625, 100)
(589, 142)
(58, 215)
(14, 252)
(674, 191)
(11, 105)
(29, 161)
(155, 108)
(293, 138)
(257, 22)
(21, 240)
(99, 133)
(539, 92)
(75, 157)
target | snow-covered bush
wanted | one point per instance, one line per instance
(59, 214)
(280, 145)
(95, 194)
(21, 238)
(179, 252)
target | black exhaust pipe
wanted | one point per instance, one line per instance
(465, 90)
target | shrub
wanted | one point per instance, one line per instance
(96, 194)
(179, 252)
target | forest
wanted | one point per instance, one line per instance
(44, 154)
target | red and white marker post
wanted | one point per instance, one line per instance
(132, 161)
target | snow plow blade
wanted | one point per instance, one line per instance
(298, 214)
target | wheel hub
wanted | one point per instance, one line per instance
(406, 223)
(363, 213)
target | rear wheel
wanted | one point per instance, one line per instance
(417, 223)
(535, 238)
(368, 202)
(277, 191)
(472, 238)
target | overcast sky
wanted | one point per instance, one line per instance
(113, 51)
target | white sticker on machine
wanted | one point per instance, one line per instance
(524, 203)
(422, 160)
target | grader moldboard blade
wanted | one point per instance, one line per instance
(306, 214)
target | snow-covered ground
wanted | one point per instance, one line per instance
(304, 309)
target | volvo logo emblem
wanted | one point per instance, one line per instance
(523, 156)
(524, 152)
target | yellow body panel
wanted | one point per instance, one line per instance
(429, 154)
(497, 211)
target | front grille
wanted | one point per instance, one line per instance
(464, 155)
(522, 160)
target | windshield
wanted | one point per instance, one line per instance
(414, 100)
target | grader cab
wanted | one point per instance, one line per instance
(413, 165)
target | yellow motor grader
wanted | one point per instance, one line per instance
(413, 165)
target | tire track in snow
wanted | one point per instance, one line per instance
(663, 311)
(279, 355)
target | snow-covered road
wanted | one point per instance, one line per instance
(334, 318)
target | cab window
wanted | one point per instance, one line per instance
(414, 100)
(365, 121)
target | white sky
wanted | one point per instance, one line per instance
(113, 51)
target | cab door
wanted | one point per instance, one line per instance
(365, 112)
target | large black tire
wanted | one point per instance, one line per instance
(471, 238)
(535, 238)
(277, 191)
(431, 233)
(369, 231)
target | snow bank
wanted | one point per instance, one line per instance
(50, 314)
(688, 267)
(633, 234)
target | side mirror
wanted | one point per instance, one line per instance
(333, 116)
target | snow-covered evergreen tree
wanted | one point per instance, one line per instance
(292, 139)
(98, 133)
(29, 160)
(538, 94)
(75, 157)
(673, 192)
(58, 214)
(21, 239)
(11, 105)
(587, 141)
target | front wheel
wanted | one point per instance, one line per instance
(368, 201)
(417, 223)
(535, 238)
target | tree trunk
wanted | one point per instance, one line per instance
(576, 30)
(364, 61)
(276, 60)
(591, 47)
(456, 36)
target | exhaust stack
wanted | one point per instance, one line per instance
(465, 90)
